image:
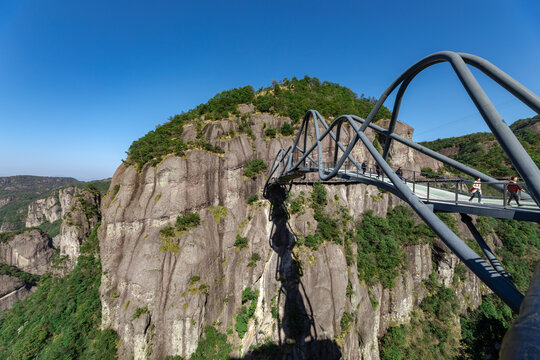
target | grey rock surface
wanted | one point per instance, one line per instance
(78, 222)
(6, 200)
(201, 283)
(51, 208)
(30, 251)
(12, 290)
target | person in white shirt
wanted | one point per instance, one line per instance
(476, 190)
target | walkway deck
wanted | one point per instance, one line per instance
(439, 199)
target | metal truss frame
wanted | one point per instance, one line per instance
(295, 159)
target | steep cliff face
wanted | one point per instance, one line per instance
(9, 226)
(51, 208)
(6, 200)
(11, 290)
(163, 282)
(30, 251)
(78, 222)
(17, 192)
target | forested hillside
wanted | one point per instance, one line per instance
(482, 152)
(432, 331)
(291, 98)
(61, 319)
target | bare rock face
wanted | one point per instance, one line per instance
(51, 208)
(470, 290)
(6, 200)
(449, 151)
(158, 291)
(12, 290)
(29, 251)
(78, 222)
(404, 156)
(6, 227)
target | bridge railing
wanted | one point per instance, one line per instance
(430, 190)
(425, 185)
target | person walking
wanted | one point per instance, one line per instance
(513, 189)
(477, 190)
(364, 167)
(399, 173)
(378, 170)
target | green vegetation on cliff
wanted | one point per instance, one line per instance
(520, 252)
(254, 167)
(13, 271)
(246, 311)
(51, 229)
(290, 98)
(380, 241)
(482, 152)
(20, 191)
(213, 346)
(434, 331)
(62, 319)
(485, 326)
(170, 236)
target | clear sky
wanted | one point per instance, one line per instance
(80, 80)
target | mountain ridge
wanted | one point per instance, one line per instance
(482, 152)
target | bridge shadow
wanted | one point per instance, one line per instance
(297, 333)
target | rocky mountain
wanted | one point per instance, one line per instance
(78, 223)
(183, 257)
(30, 201)
(17, 192)
(53, 290)
(30, 250)
(51, 208)
(258, 281)
(13, 289)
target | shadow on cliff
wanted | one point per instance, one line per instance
(297, 333)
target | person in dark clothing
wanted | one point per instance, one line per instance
(364, 167)
(399, 173)
(378, 170)
(513, 189)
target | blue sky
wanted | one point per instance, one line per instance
(80, 80)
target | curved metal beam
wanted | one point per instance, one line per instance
(500, 77)
(521, 160)
(524, 165)
(493, 279)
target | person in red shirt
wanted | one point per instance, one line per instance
(513, 189)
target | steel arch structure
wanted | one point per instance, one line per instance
(299, 158)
